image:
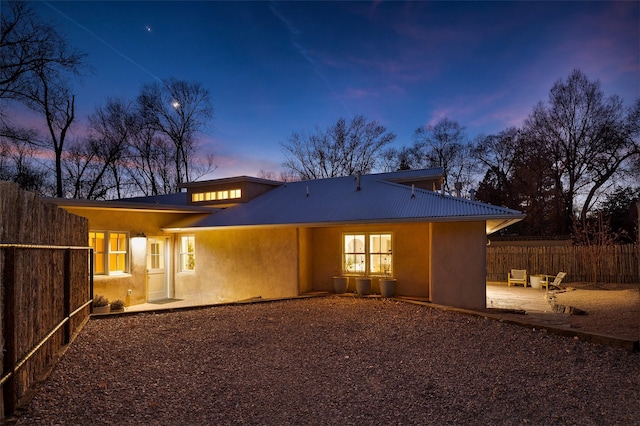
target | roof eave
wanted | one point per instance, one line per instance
(126, 206)
(494, 223)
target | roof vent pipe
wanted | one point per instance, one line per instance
(358, 175)
(458, 187)
(307, 190)
(413, 193)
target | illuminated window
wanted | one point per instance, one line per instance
(216, 195)
(354, 253)
(96, 240)
(380, 254)
(155, 255)
(187, 253)
(110, 252)
(368, 254)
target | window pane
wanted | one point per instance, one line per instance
(98, 263)
(354, 243)
(116, 262)
(354, 253)
(187, 253)
(380, 255)
(96, 240)
(155, 259)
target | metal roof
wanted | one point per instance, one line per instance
(338, 201)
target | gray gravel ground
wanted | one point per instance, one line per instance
(333, 361)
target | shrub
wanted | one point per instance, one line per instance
(100, 300)
(117, 305)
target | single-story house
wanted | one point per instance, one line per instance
(240, 238)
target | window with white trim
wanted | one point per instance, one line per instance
(187, 253)
(367, 254)
(110, 252)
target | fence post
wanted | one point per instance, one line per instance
(67, 295)
(9, 330)
(91, 279)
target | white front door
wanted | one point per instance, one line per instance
(158, 265)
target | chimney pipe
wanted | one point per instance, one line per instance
(458, 187)
(358, 175)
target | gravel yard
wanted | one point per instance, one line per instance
(333, 361)
(612, 309)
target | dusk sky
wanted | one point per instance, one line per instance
(275, 67)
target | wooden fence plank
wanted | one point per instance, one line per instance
(48, 284)
(604, 264)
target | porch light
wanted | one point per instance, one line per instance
(139, 242)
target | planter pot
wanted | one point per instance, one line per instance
(535, 281)
(363, 286)
(387, 287)
(340, 284)
(102, 309)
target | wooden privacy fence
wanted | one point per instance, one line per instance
(46, 287)
(603, 264)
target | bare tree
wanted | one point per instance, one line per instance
(586, 139)
(404, 158)
(281, 176)
(445, 145)
(178, 110)
(17, 163)
(26, 46)
(343, 149)
(96, 166)
(35, 69)
(595, 234)
(499, 155)
(151, 160)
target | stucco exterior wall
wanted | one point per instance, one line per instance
(445, 262)
(410, 256)
(239, 264)
(458, 264)
(150, 223)
(305, 263)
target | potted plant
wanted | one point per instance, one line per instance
(363, 283)
(341, 282)
(535, 280)
(101, 305)
(387, 284)
(117, 306)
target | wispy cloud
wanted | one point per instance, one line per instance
(103, 41)
(294, 35)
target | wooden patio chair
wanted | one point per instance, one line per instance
(517, 276)
(557, 279)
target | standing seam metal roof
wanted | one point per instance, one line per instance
(337, 200)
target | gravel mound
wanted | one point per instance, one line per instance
(332, 361)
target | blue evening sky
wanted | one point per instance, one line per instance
(275, 67)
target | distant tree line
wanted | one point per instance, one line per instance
(576, 157)
(148, 145)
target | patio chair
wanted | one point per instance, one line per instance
(517, 276)
(557, 279)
